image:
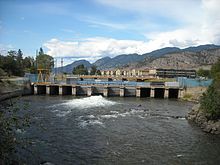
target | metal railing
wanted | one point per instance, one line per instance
(113, 83)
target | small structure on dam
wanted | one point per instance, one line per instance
(165, 90)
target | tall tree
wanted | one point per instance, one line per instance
(41, 52)
(210, 100)
(19, 59)
(11, 65)
(29, 64)
(204, 73)
(44, 61)
(93, 70)
(98, 72)
(80, 70)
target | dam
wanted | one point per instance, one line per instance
(151, 90)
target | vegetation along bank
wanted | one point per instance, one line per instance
(206, 114)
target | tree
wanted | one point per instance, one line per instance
(210, 103)
(29, 64)
(93, 70)
(14, 64)
(80, 70)
(204, 73)
(19, 59)
(215, 70)
(44, 61)
(10, 64)
(98, 72)
(41, 52)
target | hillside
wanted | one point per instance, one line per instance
(119, 61)
(169, 57)
(135, 60)
(69, 68)
(185, 59)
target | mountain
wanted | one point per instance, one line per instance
(161, 52)
(165, 57)
(185, 59)
(102, 62)
(172, 57)
(118, 61)
(132, 59)
(69, 68)
(201, 48)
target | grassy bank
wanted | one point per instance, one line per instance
(193, 93)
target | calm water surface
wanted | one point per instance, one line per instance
(97, 130)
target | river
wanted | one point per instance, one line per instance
(115, 130)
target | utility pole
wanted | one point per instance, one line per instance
(62, 68)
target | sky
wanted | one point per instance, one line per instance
(92, 29)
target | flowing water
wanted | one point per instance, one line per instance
(98, 130)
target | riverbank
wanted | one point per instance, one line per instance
(193, 94)
(14, 87)
(198, 116)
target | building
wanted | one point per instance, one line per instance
(150, 73)
(128, 72)
(172, 73)
(108, 72)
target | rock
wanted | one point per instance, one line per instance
(197, 116)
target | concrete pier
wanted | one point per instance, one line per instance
(60, 90)
(152, 92)
(181, 93)
(105, 91)
(166, 93)
(48, 90)
(74, 90)
(89, 91)
(35, 90)
(122, 91)
(138, 92)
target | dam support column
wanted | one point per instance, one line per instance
(122, 91)
(35, 89)
(166, 93)
(105, 91)
(48, 89)
(138, 91)
(74, 90)
(152, 92)
(60, 90)
(181, 93)
(89, 91)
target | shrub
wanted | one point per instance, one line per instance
(210, 103)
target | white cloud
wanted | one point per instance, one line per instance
(5, 48)
(200, 25)
(175, 9)
(199, 21)
(95, 22)
(94, 48)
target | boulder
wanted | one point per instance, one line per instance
(199, 117)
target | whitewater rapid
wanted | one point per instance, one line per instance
(99, 117)
(65, 108)
(89, 102)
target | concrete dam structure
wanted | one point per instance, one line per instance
(108, 90)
